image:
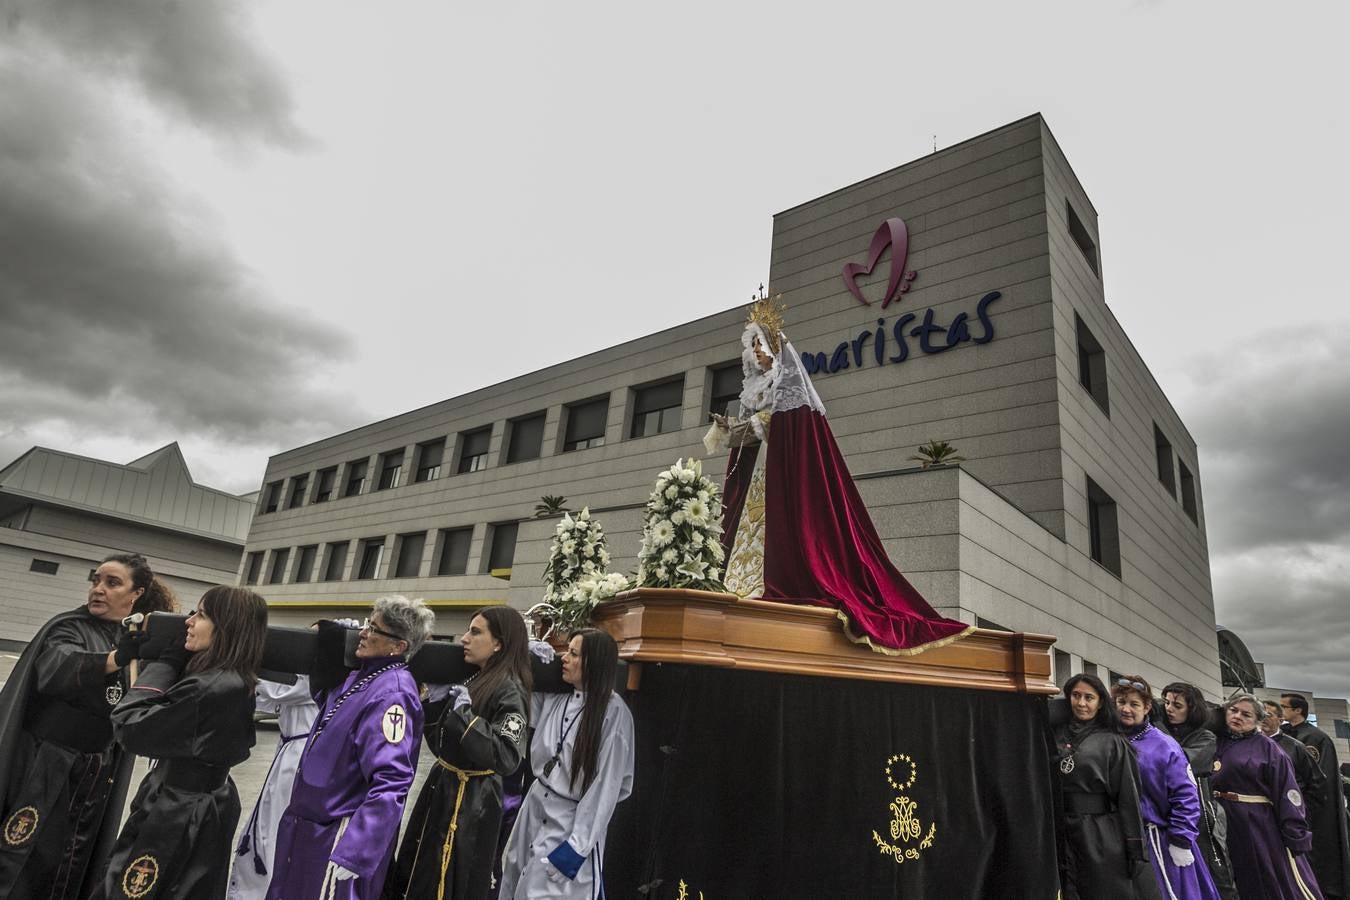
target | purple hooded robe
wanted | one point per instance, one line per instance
(350, 788)
(1170, 806)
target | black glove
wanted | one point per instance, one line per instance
(176, 656)
(330, 649)
(128, 648)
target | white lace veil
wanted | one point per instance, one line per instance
(785, 386)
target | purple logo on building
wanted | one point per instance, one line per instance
(894, 234)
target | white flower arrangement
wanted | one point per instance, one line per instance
(681, 543)
(575, 578)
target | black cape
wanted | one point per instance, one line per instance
(1330, 856)
(19, 702)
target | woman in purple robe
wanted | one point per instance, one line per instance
(1168, 801)
(337, 836)
(1268, 834)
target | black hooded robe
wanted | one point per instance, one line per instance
(1330, 856)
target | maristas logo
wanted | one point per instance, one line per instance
(893, 234)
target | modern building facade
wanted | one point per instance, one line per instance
(60, 514)
(956, 298)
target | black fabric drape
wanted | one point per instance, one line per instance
(760, 785)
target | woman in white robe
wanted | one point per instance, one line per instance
(582, 755)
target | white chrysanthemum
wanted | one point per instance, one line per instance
(697, 511)
(662, 533)
(669, 555)
(661, 573)
(696, 539)
(705, 496)
(686, 476)
(678, 517)
(717, 552)
(671, 492)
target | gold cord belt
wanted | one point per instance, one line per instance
(463, 775)
(1242, 798)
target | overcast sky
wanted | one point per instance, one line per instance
(248, 226)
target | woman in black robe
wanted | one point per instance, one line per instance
(63, 779)
(480, 735)
(176, 842)
(1186, 716)
(1104, 854)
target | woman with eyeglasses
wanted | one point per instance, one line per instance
(582, 755)
(479, 737)
(1103, 852)
(1186, 719)
(1268, 832)
(336, 839)
(1168, 800)
(192, 711)
(63, 779)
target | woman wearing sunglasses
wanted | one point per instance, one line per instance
(192, 710)
(1168, 800)
(336, 838)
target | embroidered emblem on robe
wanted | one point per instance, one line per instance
(21, 826)
(113, 693)
(1295, 797)
(395, 724)
(140, 877)
(512, 727)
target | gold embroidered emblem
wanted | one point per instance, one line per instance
(684, 892)
(905, 827)
(1314, 753)
(140, 877)
(21, 826)
(113, 693)
(1218, 764)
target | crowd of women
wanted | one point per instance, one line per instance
(1169, 800)
(87, 696)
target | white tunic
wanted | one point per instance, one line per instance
(296, 712)
(552, 813)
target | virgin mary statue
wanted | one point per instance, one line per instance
(795, 529)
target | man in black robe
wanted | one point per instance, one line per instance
(1330, 854)
(1307, 773)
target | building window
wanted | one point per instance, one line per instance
(1063, 666)
(323, 488)
(278, 570)
(272, 497)
(656, 409)
(473, 449)
(1092, 365)
(44, 566)
(336, 561)
(391, 466)
(429, 456)
(586, 424)
(453, 555)
(1103, 529)
(726, 389)
(356, 477)
(1188, 492)
(503, 547)
(253, 571)
(299, 484)
(304, 564)
(527, 438)
(1078, 231)
(372, 550)
(410, 554)
(1166, 474)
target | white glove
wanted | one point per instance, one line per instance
(553, 874)
(1181, 856)
(437, 692)
(543, 651)
(459, 696)
(348, 623)
(341, 874)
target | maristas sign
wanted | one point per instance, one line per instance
(932, 336)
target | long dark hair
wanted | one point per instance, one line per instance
(1197, 712)
(156, 596)
(239, 617)
(599, 666)
(512, 661)
(1104, 718)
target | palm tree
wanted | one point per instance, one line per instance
(550, 505)
(936, 453)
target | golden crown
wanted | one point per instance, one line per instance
(767, 313)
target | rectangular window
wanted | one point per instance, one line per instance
(304, 564)
(44, 566)
(1078, 231)
(323, 488)
(1166, 474)
(1103, 530)
(253, 571)
(391, 466)
(299, 484)
(726, 389)
(527, 438)
(272, 497)
(429, 456)
(656, 409)
(278, 570)
(356, 477)
(410, 554)
(1092, 365)
(372, 550)
(586, 424)
(473, 449)
(336, 562)
(503, 547)
(1063, 664)
(453, 556)
(1188, 492)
